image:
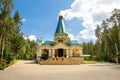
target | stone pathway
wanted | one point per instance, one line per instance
(28, 70)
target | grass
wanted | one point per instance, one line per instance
(104, 62)
(12, 62)
(89, 62)
(101, 62)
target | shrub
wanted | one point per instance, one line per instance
(2, 64)
(9, 58)
(40, 62)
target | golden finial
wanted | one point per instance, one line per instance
(61, 14)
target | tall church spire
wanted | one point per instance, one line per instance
(60, 26)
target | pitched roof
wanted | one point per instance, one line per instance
(47, 43)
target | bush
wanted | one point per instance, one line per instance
(40, 62)
(9, 58)
(101, 57)
(2, 64)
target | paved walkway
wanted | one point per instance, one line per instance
(27, 70)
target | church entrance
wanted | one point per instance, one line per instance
(60, 52)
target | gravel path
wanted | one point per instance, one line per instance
(28, 70)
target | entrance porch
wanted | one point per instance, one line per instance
(60, 52)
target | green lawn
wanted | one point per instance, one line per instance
(89, 62)
(93, 62)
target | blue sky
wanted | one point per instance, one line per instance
(40, 17)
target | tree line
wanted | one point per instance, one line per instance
(14, 46)
(12, 43)
(107, 45)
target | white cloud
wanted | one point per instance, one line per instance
(32, 37)
(72, 37)
(24, 20)
(92, 12)
(24, 37)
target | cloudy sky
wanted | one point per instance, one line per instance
(40, 17)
